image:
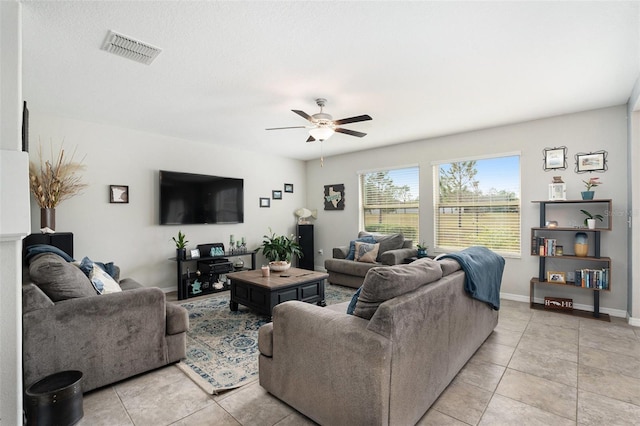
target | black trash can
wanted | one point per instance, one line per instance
(55, 400)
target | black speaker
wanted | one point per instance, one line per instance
(305, 239)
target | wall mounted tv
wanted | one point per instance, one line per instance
(187, 198)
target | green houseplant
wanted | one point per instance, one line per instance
(592, 217)
(181, 245)
(279, 250)
(422, 250)
(591, 183)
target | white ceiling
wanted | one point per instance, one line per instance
(228, 70)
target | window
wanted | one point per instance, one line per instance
(477, 202)
(390, 201)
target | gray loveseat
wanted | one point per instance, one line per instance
(414, 328)
(109, 337)
(394, 249)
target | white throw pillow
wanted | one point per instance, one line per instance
(100, 278)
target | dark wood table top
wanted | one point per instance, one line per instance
(291, 276)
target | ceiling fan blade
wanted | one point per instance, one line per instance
(355, 119)
(303, 115)
(350, 132)
(311, 139)
(292, 127)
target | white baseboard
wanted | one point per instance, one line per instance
(633, 321)
(612, 312)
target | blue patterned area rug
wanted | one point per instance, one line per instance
(222, 346)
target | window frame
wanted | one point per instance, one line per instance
(361, 195)
(436, 197)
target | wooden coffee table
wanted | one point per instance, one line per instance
(251, 289)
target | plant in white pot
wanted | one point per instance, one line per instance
(279, 250)
(590, 221)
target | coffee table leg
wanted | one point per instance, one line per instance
(322, 303)
(233, 306)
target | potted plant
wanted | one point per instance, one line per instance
(181, 245)
(590, 221)
(591, 183)
(279, 250)
(422, 250)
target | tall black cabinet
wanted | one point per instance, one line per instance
(305, 239)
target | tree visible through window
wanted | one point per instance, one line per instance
(390, 201)
(477, 202)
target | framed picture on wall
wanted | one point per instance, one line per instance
(118, 194)
(288, 187)
(591, 162)
(276, 194)
(265, 202)
(555, 158)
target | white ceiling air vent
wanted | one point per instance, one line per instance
(127, 47)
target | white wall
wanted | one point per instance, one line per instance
(12, 229)
(583, 132)
(129, 234)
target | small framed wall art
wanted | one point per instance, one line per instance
(265, 202)
(288, 187)
(276, 194)
(118, 194)
(591, 162)
(555, 158)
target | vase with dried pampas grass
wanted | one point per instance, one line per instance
(53, 181)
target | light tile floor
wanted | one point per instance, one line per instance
(537, 368)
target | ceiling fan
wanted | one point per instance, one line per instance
(323, 126)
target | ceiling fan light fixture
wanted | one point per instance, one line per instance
(321, 133)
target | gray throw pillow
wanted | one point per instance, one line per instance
(59, 279)
(386, 282)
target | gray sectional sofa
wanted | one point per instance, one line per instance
(394, 249)
(413, 329)
(109, 337)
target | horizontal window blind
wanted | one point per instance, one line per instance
(477, 202)
(390, 201)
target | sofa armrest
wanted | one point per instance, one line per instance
(177, 319)
(340, 252)
(397, 256)
(317, 351)
(108, 337)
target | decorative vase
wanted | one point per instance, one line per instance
(279, 266)
(181, 253)
(422, 252)
(587, 195)
(581, 244)
(48, 218)
(238, 264)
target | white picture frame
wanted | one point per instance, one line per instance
(557, 191)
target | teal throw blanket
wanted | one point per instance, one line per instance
(483, 273)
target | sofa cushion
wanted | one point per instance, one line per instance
(59, 279)
(352, 245)
(387, 242)
(386, 282)
(354, 299)
(97, 273)
(366, 252)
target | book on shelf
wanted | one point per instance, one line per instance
(543, 246)
(592, 278)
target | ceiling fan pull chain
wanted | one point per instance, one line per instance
(321, 156)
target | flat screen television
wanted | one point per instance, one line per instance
(187, 198)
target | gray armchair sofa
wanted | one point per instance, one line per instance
(109, 337)
(413, 329)
(394, 249)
